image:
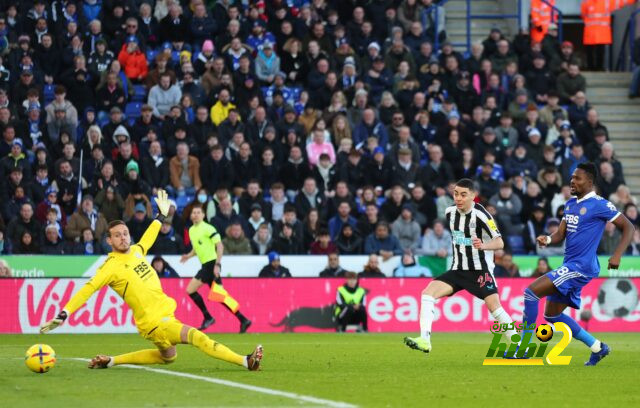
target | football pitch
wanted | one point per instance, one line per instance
(331, 370)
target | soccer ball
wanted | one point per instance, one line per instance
(544, 333)
(617, 297)
(40, 358)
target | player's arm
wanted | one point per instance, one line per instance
(185, 257)
(622, 223)
(555, 238)
(101, 278)
(150, 235)
(493, 245)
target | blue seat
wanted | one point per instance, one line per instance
(49, 94)
(516, 243)
(139, 93)
(132, 110)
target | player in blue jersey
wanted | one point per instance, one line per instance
(585, 216)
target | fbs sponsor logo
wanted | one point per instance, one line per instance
(521, 348)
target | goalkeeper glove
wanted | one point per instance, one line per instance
(162, 200)
(53, 323)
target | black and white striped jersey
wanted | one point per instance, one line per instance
(476, 223)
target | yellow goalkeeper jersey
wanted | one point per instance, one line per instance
(135, 280)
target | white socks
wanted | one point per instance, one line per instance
(427, 304)
(596, 347)
(501, 316)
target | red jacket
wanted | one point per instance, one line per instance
(134, 65)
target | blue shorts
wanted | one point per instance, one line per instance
(569, 284)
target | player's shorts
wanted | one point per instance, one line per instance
(206, 275)
(479, 283)
(569, 284)
(166, 333)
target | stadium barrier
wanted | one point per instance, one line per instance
(296, 305)
(240, 266)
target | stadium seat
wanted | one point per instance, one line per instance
(49, 94)
(132, 110)
(139, 93)
(516, 243)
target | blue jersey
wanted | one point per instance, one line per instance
(586, 219)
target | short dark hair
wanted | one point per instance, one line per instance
(590, 169)
(466, 183)
(114, 224)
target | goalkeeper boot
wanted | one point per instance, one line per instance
(418, 343)
(100, 361)
(206, 322)
(253, 359)
(596, 357)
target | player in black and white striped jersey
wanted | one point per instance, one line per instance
(474, 238)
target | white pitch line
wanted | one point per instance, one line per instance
(233, 384)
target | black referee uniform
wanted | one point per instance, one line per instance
(471, 269)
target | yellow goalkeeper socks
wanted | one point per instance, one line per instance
(215, 349)
(141, 357)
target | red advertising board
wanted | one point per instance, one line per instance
(277, 305)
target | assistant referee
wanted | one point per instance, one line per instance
(207, 245)
(475, 236)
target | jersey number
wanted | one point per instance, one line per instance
(142, 270)
(483, 280)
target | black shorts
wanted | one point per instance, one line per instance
(479, 283)
(206, 275)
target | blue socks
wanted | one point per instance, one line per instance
(530, 314)
(577, 331)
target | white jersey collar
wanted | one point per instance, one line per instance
(586, 197)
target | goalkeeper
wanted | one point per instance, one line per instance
(127, 272)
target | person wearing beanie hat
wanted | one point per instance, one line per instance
(274, 269)
(208, 246)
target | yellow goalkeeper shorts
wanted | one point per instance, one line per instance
(166, 333)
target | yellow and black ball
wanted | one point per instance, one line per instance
(544, 332)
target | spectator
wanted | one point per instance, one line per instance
(371, 269)
(520, 164)
(410, 269)
(261, 241)
(184, 171)
(342, 218)
(509, 207)
(309, 197)
(436, 241)
(222, 108)
(382, 242)
(25, 222)
(333, 269)
(27, 245)
(350, 305)
(139, 223)
(505, 267)
(534, 227)
(5, 270)
(273, 269)
(164, 96)
(552, 250)
(52, 244)
(570, 82)
(608, 180)
(542, 268)
(88, 245)
(235, 242)
(162, 268)
(267, 64)
(86, 217)
(406, 229)
(323, 244)
(609, 240)
(286, 242)
(168, 242)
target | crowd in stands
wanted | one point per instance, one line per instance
(302, 127)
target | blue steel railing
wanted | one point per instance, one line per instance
(554, 11)
(471, 16)
(632, 38)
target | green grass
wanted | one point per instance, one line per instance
(366, 370)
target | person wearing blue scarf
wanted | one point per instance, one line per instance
(267, 64)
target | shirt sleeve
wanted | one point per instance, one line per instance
(149, 236)
(101, 278)
(214, 235)
(488, 224)
(607, 211)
